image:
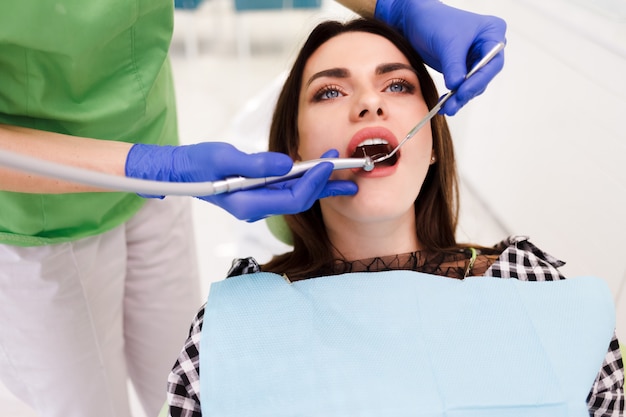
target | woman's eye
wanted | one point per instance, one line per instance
(400, 86)
(330, 94)
(396, 88)
(327, 93)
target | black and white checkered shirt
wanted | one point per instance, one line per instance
(518, 259)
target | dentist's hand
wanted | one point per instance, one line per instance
(211, 161)
(450, 41)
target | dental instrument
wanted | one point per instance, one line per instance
(149, 187)
(490, 55)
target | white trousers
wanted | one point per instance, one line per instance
(78, 319)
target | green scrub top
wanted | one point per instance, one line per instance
(95, 69)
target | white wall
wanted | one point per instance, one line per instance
(545, 146)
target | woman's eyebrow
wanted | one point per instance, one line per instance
(394, 66)
(345, 73)
(332, 72)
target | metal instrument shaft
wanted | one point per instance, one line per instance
(490, 55)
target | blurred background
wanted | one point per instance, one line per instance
(541, 153)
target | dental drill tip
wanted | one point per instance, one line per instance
(369, 164)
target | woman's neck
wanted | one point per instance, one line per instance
(353, 240)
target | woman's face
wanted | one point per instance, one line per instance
(358, 89)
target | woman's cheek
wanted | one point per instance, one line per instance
(315, 141)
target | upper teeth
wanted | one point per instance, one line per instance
(373, 141)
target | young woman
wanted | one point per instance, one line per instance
(359, 87)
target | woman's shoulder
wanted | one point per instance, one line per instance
(519, 258)
(239, 266)
(243, 266)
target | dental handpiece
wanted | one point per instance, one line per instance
(149, 187)
(299, 168)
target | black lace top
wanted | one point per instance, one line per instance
(453, 264)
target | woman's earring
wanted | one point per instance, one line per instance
(432, 159)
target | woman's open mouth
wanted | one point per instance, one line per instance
(375, 148)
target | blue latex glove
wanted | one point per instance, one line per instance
(211, 161)
(450, 41)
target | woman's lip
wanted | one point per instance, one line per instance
(370, 133)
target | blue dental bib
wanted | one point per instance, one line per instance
(400, 344)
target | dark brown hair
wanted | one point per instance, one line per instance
(436, 208)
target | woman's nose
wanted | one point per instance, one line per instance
(369, 105)
(363, 113)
